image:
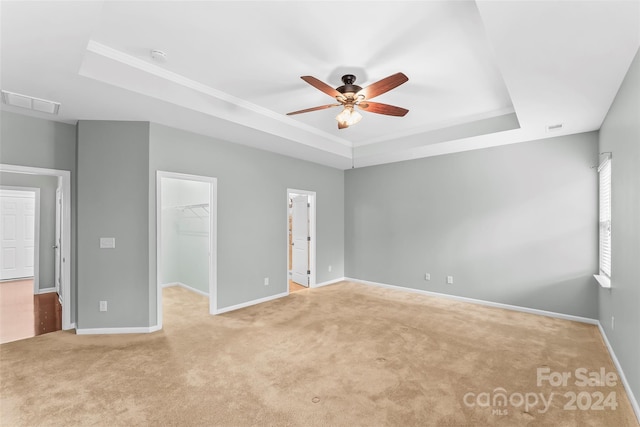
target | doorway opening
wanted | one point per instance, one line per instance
(19, 241)
(186, 236)
(54, 292)
(301, 239)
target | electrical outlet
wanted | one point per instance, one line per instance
(329, 269)
(427, 276)
(613, 323)
(450, 280)
(266, 281)
(103, 306)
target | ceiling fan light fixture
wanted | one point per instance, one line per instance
(351, 95)
(348, 116)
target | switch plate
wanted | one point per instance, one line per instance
(266, 281)
(107, 243)
(450, 280)
(427, 276)
(103, 306)
(329, 269)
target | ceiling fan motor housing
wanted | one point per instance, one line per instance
(349, 86)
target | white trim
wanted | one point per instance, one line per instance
(250, 303)
(187, 287)
(312, 234)
(6, 190)
(128, 330)
(607, 157)
(329, 282)
(625, 383)
(482, 302)
(64, 181)
(46, 290)
(603, 280)
(163, 73)
(213, 238)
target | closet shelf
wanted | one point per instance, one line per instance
(199, 210)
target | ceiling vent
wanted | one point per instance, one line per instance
(554, 128)
(29, 102)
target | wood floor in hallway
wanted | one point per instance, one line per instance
(25, 315)
(294, 287)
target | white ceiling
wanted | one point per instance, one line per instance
(481, 73)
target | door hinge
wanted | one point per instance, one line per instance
(308, 238)
(308, 205)
(308, 271)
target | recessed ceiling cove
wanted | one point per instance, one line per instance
(480, 73)
(232, 47)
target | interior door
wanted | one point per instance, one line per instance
(17, 234)
(57, 247)
(300, 240)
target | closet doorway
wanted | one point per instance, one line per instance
(186, 235)
(301, 239)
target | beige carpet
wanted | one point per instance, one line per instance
(341, 355)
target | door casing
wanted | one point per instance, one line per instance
(64, 183)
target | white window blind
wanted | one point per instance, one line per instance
(604, 174)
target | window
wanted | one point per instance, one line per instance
(604, 178)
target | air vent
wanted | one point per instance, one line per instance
(554, 128)
(29, 102)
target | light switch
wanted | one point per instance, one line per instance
(107, 243)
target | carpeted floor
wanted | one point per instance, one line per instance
(341, 355)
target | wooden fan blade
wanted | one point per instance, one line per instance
(384, 85)
(307, 110)
(379, 108)
(322, 86)
(342, 125)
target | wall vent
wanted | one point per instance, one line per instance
(554, 128)
(29, 102)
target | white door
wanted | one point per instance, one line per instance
(300, 240)
(57, 247)
(17, 234)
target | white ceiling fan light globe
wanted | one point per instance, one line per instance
(349, 116)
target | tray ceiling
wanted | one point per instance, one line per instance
(480, 73)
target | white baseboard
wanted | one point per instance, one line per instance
(481, 302)
(128, 330)
(625, 383)
(250, 303)
(330, 282)
(46, 290)
(182, 285)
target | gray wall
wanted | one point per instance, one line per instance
(47, 186)
(28, 141)
(113, 191)
(620, 134)
(514, 224)
(252, 210)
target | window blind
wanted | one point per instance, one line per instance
(604, 174)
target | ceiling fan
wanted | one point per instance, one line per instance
(351, 95)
